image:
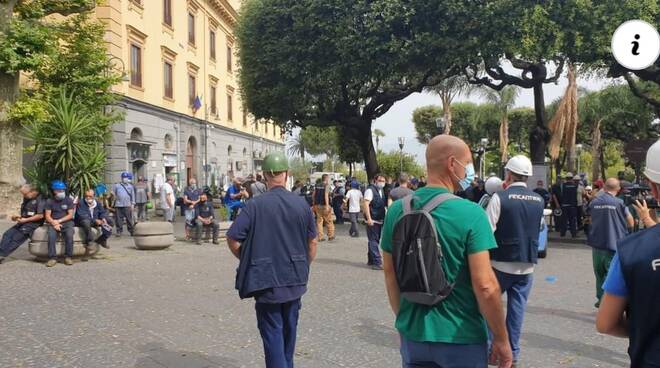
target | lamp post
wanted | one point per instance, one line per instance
(401, 142)
(440, 125)
(578, 151)
(482, 157)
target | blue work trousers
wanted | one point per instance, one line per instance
(373, 235)
(278, 325)
(14, 237)
(441, 355)
(517, 289)
(569, 220)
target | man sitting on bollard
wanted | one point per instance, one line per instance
(59, 217)
(206, 219)
(31, 217)
(91, 213)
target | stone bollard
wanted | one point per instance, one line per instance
(38, 245)
(153, 235)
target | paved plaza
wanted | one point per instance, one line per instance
(178, 308)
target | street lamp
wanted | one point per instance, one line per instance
(440, 125)
(482, 156)
(124, 76)
(401, 142)
(578, 150)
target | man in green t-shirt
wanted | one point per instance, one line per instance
(452, 333)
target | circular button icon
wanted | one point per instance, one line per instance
(636, 44)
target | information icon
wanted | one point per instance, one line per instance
(636, 45)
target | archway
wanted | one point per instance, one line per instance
(191, 159)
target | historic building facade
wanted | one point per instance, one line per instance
(182, 108)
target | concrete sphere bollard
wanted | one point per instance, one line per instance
(153, 235)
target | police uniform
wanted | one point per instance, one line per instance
(59, 209)
(206, 210)
(515, 215)
(124, 202)
(377, 204)
(274, 230)
(569, 203)
(608, 226)
(19, 233)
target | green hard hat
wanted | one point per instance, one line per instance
(275, 162)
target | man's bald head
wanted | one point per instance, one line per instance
(441, 149)
(612, 185)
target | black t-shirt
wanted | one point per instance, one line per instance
(59, 208)
(31, 207)
(543, 193)
(556, 191)
(205, 210)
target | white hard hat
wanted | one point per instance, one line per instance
(588, 187)
(520, 165)
(493, 185)
(569, 175)
(652, 170)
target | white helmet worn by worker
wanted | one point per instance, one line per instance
(520, 165)
(493, 185)
(652, 170)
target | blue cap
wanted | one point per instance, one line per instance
(126, 174)
(414, 181)
(355, 184)
(57, 185)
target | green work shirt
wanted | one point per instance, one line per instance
(463, 229)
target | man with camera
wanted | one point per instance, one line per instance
(629, 307)
(611, 221)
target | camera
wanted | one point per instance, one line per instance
(640, 193)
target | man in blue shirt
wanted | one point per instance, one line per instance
(610, 222)
(59, 217)
(275, 239)
(190, 200)
(632, 288)
(124, 193)
(233, 199)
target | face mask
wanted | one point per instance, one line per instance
(60, 195)
(90, 201)
(193, 186)
(126, 180)
(380, 185)
(469, 176)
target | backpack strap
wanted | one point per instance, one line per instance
(437, 201)
(407, 204)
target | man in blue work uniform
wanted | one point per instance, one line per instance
(632, 288)
(374, 212)
(59, 217)
(205, 219)
(610, 222)
(275, 239)
(515, 215)
(190, 199)
(31, 217)
(91, 213)
(569, 209)
(124, 193)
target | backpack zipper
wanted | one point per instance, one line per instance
(423, 266)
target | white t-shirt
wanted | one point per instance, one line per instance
(354, 197)
(165, 192)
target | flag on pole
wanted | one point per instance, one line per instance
(197, 104)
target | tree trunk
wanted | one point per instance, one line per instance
(538, 137)
(367, 146)
(601, 157)
(446, 108)
(11, 149)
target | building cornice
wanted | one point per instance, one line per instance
(225, 10)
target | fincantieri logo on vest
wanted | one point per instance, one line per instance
(655, 264)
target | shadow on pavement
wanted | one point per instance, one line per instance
(597, 353)
(582, 317)
(157, 356)
(369, 330)
(341, 262)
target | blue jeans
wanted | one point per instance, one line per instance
(440, 355)
(278, 325)
(373, 254)
(517, 289)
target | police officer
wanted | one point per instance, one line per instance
(59, 217)
(124, 193)
(632, 288)
(205, 218)
(610, 222)
(31, 217)
(569, 206)
(275, 239)
(515, 215)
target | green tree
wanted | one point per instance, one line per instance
(53, 52)
(503, 100)
(448, 89)
(300, 170)
(346, 62)
(296, 147)
(320, 141)
(471, 122)
(392, 162)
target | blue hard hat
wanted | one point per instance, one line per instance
(355, 184)
(126, 174)
(57, 185)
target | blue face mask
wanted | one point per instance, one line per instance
(469, 176)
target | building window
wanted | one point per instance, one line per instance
(167, 12)
(136, 65)
(214, 106)
(191, 29)
(168, 80)
(230, 103)
(229, 55)
(212, 44)
(192, 91)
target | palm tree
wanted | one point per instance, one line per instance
(503, 100)
(296, 147)
(378, 134)
(449, 89)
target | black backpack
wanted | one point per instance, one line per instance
(417, 254)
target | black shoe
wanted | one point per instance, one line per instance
(216, 242)
(377, 267)
(103, 243)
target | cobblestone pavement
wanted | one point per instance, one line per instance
(178, 308)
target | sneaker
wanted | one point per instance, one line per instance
(377, 267)
(331, 238)
(68, 261)
(51, 262)
(216, 242)
(321, 240)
